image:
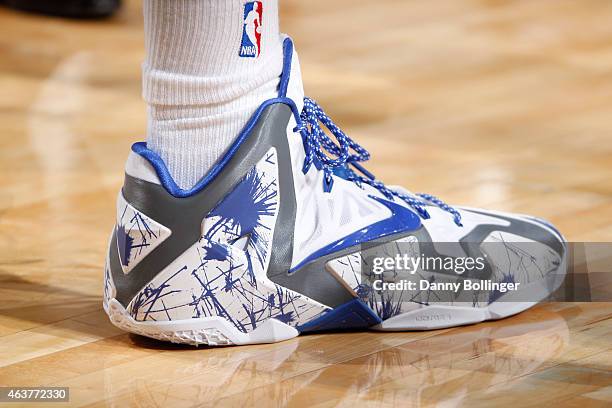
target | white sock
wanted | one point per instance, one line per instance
(200, 91)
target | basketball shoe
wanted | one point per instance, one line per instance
(283, 235)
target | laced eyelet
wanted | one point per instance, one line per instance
(330, 154)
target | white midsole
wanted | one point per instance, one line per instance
(214, 331)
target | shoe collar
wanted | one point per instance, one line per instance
(290, 92)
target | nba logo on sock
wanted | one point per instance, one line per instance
(251, 30)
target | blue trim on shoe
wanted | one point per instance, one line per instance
(287, 59)
(166, 179)
(351, 315)
(401, 219)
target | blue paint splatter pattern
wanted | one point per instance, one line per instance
(512, 259)
(516, 260)
(137, 234)
(385, 304)
(224, 273)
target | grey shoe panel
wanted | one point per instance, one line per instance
(309, 278)
(471, 242)
(183, 216)
(518, 227)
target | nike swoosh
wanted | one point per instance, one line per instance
(400, 220)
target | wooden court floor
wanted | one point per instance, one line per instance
(499, 104)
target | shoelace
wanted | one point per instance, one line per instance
(348, 152)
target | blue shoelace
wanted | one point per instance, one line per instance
(348, 153)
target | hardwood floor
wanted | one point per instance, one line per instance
(498, 104)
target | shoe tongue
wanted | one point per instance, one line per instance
(295, 88)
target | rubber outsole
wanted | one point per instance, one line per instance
(432, 317)
(212, 331)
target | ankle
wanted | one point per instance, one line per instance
(191, 138)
